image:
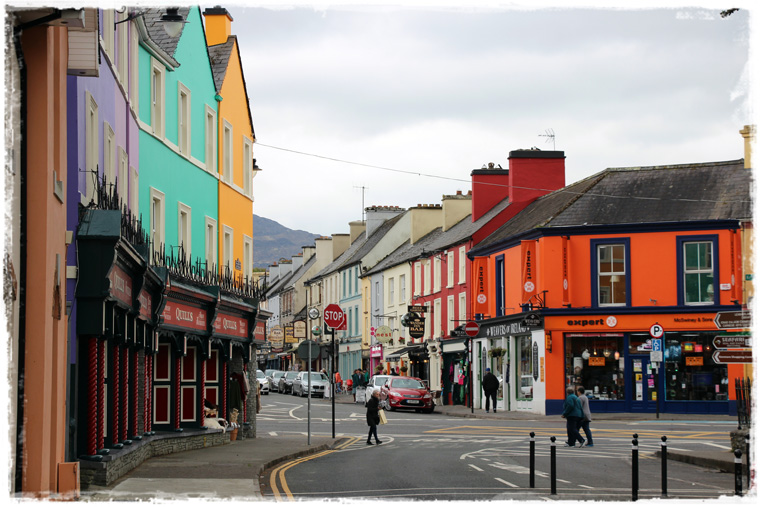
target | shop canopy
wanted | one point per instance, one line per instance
(395, 356)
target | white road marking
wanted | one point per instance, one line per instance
(717, 445)
(476, 468)
(507, 483)
(584, 486)
(273, 433)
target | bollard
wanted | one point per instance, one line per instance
(738, 471)
(664, 474)
(532, 460)
(635, 469)
(554, 465)
(746, 452)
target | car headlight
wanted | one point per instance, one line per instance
(394, 393)
(427, 396)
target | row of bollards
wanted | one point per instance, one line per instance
(738, 475)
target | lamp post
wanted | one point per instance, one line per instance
(172, 21)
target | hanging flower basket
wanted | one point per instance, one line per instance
(497, 352)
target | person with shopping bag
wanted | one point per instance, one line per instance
(373, 416)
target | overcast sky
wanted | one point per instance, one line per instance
(432, 92)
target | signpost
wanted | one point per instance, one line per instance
(732, 356)
(334, 319)
(732, 341)
(733, 320)
(657, 332)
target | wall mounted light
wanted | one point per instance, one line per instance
(171, 19)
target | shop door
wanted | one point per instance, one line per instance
(644, 393)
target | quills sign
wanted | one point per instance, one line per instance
(184, 316)
(230, 325)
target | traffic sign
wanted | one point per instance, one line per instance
(732, 341)
(655, 356)
(732, 356)
(656, 331)
(733, 320)
(334, 316)
(303, 349)
(657, 345)
(472, 329)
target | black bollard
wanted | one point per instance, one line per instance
(532, 460)
(749, 480)
(554, 465)
(738, 471)
(635, 469)
(664, 474)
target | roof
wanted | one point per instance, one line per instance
(335, 265)
(639, 195)
(219, 55)
(156, 31)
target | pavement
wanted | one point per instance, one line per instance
(234, 470)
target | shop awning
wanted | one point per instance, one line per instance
(395, 356)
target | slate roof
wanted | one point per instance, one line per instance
(370, 243)
(639, 195)
(156, 31)
(334, 265)
(219, 55)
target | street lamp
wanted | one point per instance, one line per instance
(172, 20)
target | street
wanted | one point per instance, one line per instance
(436, 457)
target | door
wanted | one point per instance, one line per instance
(643, 382)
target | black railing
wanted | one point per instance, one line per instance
(744, 401)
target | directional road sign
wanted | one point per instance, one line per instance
(733, 320)
(732, 356)
(732, 341)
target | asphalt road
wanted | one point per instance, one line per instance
(435, 457)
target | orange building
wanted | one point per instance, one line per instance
(237, 167)
(629, 283)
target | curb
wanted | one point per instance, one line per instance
(724, 465)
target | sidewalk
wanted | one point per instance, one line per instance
(232, 471)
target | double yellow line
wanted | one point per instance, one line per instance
(279, 472)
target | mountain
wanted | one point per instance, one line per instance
(272, 241)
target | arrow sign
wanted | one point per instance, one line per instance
(733, 320)
(732, 356)
(738, 341)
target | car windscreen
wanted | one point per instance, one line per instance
(407, 383)
(291, 374)
(260, 374)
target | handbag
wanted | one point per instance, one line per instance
(383, 419)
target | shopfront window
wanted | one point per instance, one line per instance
(691, 373)
(525, 368)
(597, 363)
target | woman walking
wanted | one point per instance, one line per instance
(373, 416)
(586, 419)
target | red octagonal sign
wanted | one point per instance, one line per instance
(472, 328)
(334, 316)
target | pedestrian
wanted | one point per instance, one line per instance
(490, 387)
(394, 371)
(373, 416)
(573, 413)
(586, 419)
(355, 383)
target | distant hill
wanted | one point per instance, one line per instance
(272, 241)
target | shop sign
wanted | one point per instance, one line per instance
(732, 356)
(289, 334)
(299, 329)
(184, 316)
(695, 361)
(532, 320)
(541, 369)
(417, 308)
(276, 337)
(146, 303)
(384, 334)
(260, 331)
(376, 351)
(733, 320)
(230, 325)
(121, 285)
(732, 341)
(535, 361)
(498, 330)
(596, 361)
(417, 327)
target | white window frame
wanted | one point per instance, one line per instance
(158, 96)
(450, 314)
(228, 246)
(437, 318)
(248, 168)
(212, 132)
(92, 146)
(450, 268)
(157, 223)
(462, 265)
(134, 191)
(109, 154)
(462, 307)
(122, 62)
(211, 249)
(184, 119)
(417, 278)
(228, 168)
(122, 181)
(108, 33)
(391, 291)
(185, 228)
(134, 68)
(401, 289)
(437, 274)
(247, 256)
(427, 278)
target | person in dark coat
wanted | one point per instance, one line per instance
(373, 416)
(490, 387)
(573, 412)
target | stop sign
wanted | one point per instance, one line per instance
(334, 316)
(472, 329)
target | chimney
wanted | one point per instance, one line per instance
(308, 252)
(297, 261)
(748, 133)
(423, 219)
(324, 252)
(356, 228)
(455, 208)
(218, 25)
(376, 215)
(340, 243)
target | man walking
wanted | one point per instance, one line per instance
(490, 387)
(586, 419)
(573, 413)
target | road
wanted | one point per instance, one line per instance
(435, 457)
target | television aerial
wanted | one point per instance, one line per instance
(549, 135)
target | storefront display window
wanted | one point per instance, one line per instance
(595, 362)
(691, 373)
(525, 369)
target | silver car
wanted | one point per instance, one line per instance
(274, 380)
(376, 382)
(286, 382)
(320, 384)
(263, 380)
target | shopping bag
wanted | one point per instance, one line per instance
(383, 419)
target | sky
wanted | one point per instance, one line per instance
(364, 105)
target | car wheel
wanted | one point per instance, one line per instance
(429, 410)
(392, 408)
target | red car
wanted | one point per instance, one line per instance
(408, 392)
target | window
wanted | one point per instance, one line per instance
(211, 133)
(609, 273)
(183, 119)
(427, 281)
(227, 248)
(157, 219)
(402, 289)
(598, 364)
(247, 166)
(92, 146)
(462, 307)
(417, 279)
(449, 268)
(450, 315)
(391, 292)
(696, 267)
(109, 156)
(437, 274)
(247, 256)
(108, 33)
(134, 73)
(122, 35)
(134, 191)
(227, 171)
(344, 284)
(462, 264)
(377, 294)
(525, 368)
(157, 100)
(499, 285)
(122, 182)
(184, 221)
(437, 318)
(690, 372)
(211, 240)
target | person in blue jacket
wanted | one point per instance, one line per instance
(573, 413)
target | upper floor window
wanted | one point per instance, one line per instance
(697, 264)
(402, 288)
(437, 274)
(183, 119)
(247, 166)
(450, 268)
(499, 285)
(417, 279)
(610, 272)
(462, 264)
(227, 171)
(157, 99)
(391, 291)
(211, 131)
(427, 277)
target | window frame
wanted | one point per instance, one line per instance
(92, 147)
(210, 226)
(247, 256)
(417, 278)
(157, 224)
(499, 285)
(595, 244)
(184, 209)
(437, 273)
(247, 166)
(134, 191)
(462, 265)
(714, 240)
(109, 153)
(228, 250)
(228, 168)
(184, 120)
(402, 288)
(211, 144)
(158, 99)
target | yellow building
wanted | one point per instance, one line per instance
(236, 167)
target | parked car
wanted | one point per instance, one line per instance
(376, 382)
(286, 382)
(319, 384)
(263, 380)
(409, 392)
(274, 380)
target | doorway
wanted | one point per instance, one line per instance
(643, 380)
